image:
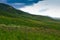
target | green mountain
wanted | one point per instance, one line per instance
(9, 11)
(18, 25)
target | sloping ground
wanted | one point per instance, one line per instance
(13, 32)
(8, 11)
(29, 22)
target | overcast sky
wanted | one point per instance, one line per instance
(46, 7)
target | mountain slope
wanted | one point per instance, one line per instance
(7, 10)
(9, 15)
(18, 25)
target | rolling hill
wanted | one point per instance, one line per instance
(18, 25)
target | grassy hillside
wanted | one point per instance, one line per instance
(13, 32)
(19, 25)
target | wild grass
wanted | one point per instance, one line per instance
(28, 29)
(29, 22)
(15, 32)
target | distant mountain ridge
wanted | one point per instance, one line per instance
(7, 10)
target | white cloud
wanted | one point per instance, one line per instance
(47, 7)
(33, 9)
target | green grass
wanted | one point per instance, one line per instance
(29, 22)
(28, 29)
(14, 32)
